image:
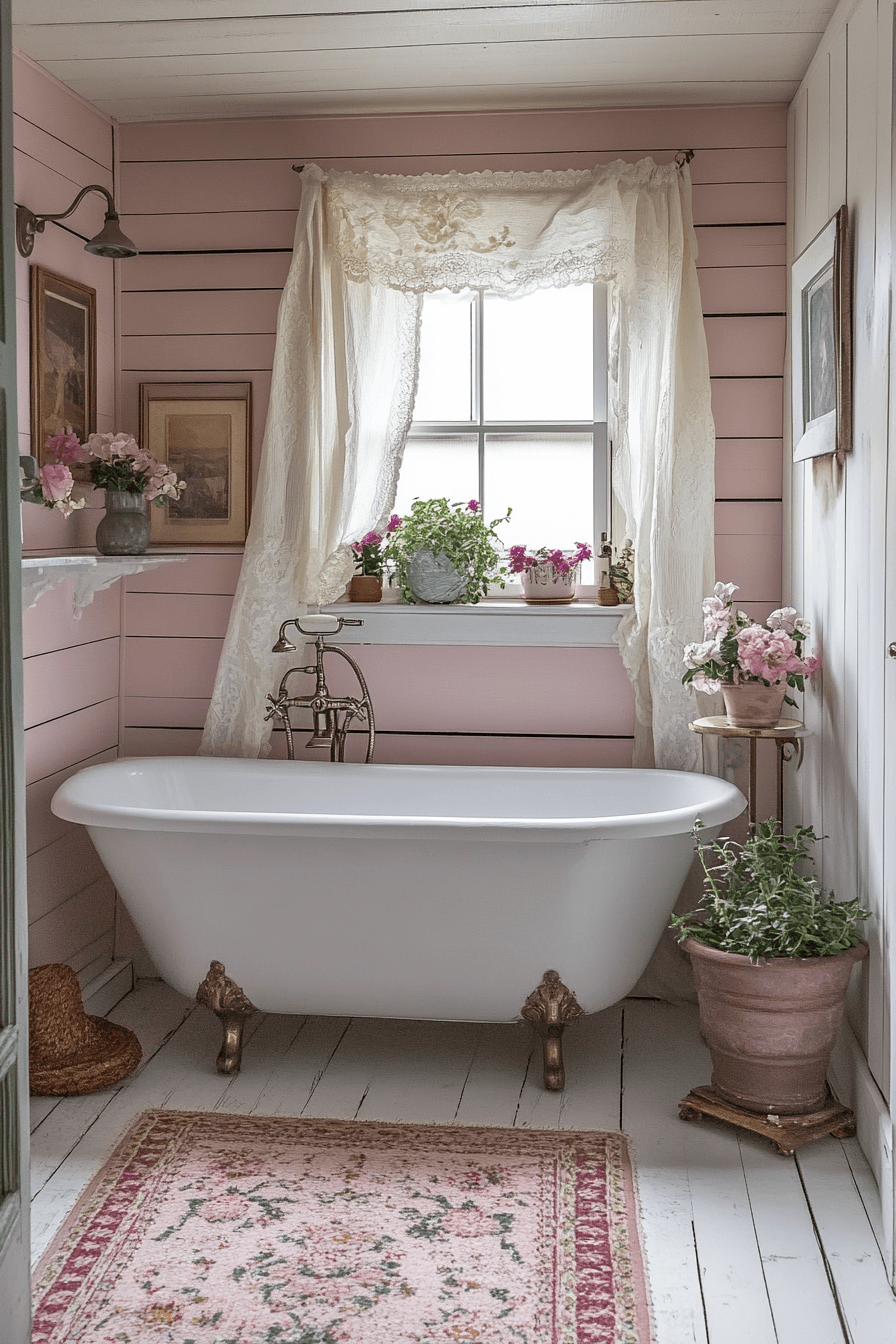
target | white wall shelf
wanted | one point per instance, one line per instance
(88, 573)
(493, 621)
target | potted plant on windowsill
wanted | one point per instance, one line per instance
(772, 953)
(367, 584)
(446, 552)
(751, 664)
(548, 575)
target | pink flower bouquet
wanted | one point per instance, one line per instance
(119, 463)
(737, 649)
(55, 481)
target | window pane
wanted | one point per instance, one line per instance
(436, 466)
(445, 382)
(538, 356)
(548, 481)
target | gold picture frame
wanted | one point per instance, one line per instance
(203, 431)
(63, 358)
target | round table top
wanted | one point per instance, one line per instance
(718, 724)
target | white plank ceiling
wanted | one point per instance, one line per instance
(161, 60)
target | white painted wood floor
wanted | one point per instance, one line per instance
(743, 1246)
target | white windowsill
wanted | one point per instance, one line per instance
(497, 621)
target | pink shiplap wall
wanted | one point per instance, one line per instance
(71, 667)
(213, 206)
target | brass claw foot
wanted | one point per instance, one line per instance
(228, 1002)
(549, 1008)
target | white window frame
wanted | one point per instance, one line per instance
(501, 618)
(597, 426)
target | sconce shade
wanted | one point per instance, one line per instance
(111, 242)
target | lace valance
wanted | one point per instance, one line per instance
(510, 231)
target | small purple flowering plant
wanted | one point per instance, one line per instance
(520, 559)
(738, 649)
(369, 555)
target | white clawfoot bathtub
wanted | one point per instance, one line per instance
(396, 891)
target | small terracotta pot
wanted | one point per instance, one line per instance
(750, 704)
(771, 1026)
(365, 588)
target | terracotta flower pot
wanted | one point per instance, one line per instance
(771, 1026)
(365, 588)
(751, 704)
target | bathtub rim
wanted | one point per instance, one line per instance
(723, 803)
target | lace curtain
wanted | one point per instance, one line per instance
(367, 248)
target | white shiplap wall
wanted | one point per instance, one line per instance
(840, 145)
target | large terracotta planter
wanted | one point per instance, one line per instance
(771, 1026)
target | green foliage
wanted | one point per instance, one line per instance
(456, 530)
(756, 903)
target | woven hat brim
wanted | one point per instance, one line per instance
(111, 1053)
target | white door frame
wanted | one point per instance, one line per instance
(14, 1222)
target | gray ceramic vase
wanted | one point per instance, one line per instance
(433, 578)
(124, 527)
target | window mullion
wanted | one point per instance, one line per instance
(478, 390)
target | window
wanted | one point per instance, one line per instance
(511, 410)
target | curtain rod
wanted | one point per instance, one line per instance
(681, 158)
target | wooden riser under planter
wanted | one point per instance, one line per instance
(786, 1132)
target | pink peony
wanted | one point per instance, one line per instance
(55, 482)
(66, 448)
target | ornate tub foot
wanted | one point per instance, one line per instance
(549, 1008)
(228, 1002)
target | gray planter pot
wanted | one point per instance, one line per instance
(433, 578)
(124, 527)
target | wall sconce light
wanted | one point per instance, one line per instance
(109, 242)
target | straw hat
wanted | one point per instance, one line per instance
(70, 1052)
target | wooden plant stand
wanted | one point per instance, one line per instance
(786, 1132)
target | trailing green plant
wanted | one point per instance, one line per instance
(757, 904)
(457, 531)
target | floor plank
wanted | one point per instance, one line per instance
(867, 1305)
(654, 1080)
(795, 1272)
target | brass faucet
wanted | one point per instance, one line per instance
(331, 715)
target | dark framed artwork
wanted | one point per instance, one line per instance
(203, 432)
(821, 315)
(63, 358)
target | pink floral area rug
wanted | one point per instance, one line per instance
(221, 1229)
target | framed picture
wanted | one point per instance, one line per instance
(203, 432)
(821, 314)
(63, 358)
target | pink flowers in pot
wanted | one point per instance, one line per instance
(368, 555)
(738, 649)
(119, 463)
(520, 559)
(55, 481)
